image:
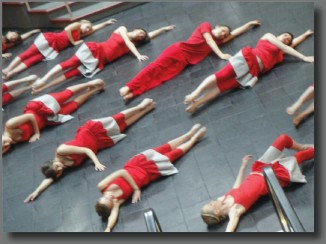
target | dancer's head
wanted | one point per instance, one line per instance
(139, 36)
(211, 213)
(286, 38)
(221, 31)
(104, 206)
(86, 26)
(6, 143)
(13, 36)
(52, 169)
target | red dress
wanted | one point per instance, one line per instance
(173, 60)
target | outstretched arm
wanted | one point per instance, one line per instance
(124, 34)
(234, 217)
(29, 34)
(242, 29)
(242, 170)
(44, 185)
(296, 41)
(15, 122)
(161, 30)
(210, 41)
(112, 220)
(64, 150)
(287, 49)
(100, 26)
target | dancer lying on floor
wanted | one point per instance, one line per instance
(178, 56)
(91, 57)
(243, 68)
(47, 110)
(91, 137)
(139, 171)
(245, 193)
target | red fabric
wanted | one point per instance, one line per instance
(4, 47)
(195, 49)
(269, 54)
(62, 96)
(31, 56)
(225, 78)
(27, 128)
(113, 48)
(59, 41)
(6, 98)
(91, 135)
(283, 141)
(4, 88)
(169, 64)
(305, 155)
(254, 186)
(143, 171)
(72, 62)
(120, 119)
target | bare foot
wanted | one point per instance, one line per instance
(191, 109)
(127, 97)
(194, 128)
(200, 133)
(35, 91)
(145, 103)
(124, 91)
(189, 99)
(38, 84)
(292, 109)
(296, 121)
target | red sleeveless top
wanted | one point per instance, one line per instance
(269, 54)
(113, 48)
(59, 41)
(27, 128)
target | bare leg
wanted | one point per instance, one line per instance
(306, 96)
(213, 93)
(60, 79)
(12, 65)
(81, 99)
(54, 71)
(97, 83)
(135, 113)
(301, 116)
(19, 91)
(21, 67)
(12, 84)
(207, 84)
(185, 147)
(184, 138)
(127, 97)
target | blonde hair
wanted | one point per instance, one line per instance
(210, 218)
(85, 21)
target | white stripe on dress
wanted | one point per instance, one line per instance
(43, 46)
(291, 164)
(89, 63)
(112, 129)
(55, 107)
(165, 167)
(241, 70)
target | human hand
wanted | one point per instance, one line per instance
(78, 42)
(35, 137)
(31, 197)
(100, 167)
(6, 55)
(309, 32)
(226, 56)
(308, 59)
(142, 58)
(136, 196)
(111, 21)
(255, 22)
(107, 229)
(245, 160)
(170, 27)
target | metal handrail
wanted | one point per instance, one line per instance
(284, 210)
(152, 222)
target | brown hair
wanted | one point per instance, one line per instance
(102, 210)
(210, 218)
(292, 36)
(19, 38)
(143, 41)
(48, 171)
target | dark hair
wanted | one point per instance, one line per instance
(229, 28)
(48, 171)
(102, 210)
(145, 40)
(292, 36)
(19, 38)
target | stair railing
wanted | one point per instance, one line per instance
(152, 222)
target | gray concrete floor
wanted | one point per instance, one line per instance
(239, 122)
